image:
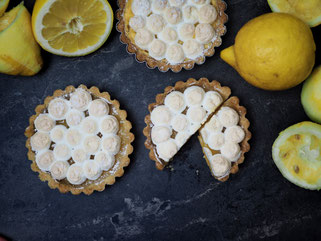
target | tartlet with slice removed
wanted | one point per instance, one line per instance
(171, 34)
(178, 113)
(224, 139)
(79, 140)
(204, 106)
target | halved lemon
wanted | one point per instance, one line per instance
(3, 6)
(307, 10)
(297, 154)
(72, 27)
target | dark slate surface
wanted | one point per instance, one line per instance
(145, 204)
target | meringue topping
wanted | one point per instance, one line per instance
(44, 123)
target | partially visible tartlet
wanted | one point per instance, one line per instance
(79, 140)
(171, 34)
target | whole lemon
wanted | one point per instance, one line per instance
(274, 51)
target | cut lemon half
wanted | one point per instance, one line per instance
(72, 27)
(307, 10)
(3, 6)
(297, 154)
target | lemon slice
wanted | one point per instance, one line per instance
(297, 154)
(72, 27)
(307, 10)
(3, 6)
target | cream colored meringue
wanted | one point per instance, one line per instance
(234, 134)
(175, 101)
(89, 125)
(44, 123)
(58, 170)
(44, 159)
(181, 138)
(58, 108)
(80, 99)
(231, 151)
(62, 152)
(169, 35)
(175, 54)
(79, 155)
(207, 14)
(214, 125)
(73, 137)
(196, 114)
(105, 160)
(177, 3)
(190, 14)
(173, 15)
(158, 6)
(220, 166)
(193, 49)
(141, 7)
(74, 117)
(92, 170)
(180, 123)
(161, 115)
(91, 144)
(109, 125)
(212, 100)
(228, 116)
(111, 144)
(155, 23)
(160, 134)
(157, 49)
(57, 134)
(143, 38)
(166, 150)
(75, 174)
(194, 95)
(200, 2)
(215, 140)
(137, 22)
(204, 33)
(98, 108)
(186, 31)
(40, 141)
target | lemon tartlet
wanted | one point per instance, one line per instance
(204, 106)
(171, 34)
(79, 140)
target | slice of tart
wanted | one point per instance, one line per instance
(171, 34)
(224, 139)
(178, 113)
(79, 140)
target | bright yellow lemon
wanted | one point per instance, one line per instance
(274, 51)
(72, 27)
(3, 6)
(19, 52)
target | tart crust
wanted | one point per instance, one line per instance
(179, 86)
(233, 103)
(163, 65)
(121, 159)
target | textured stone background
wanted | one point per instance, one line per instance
(146, 204)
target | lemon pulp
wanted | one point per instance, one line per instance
(72, 27)
(297, 153)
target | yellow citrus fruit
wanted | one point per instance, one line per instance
(72, 27)
(274, 51)
(297, 154)
(311, 95)
(307, 10)
(19, 52)
(3, 6)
